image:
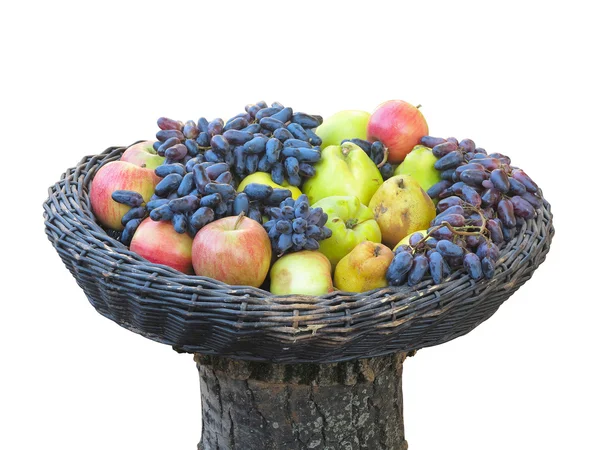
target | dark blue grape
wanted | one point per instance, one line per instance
(431, 141)
(488, 267)
(192, 147)
(156, 145)
(162, 149)
(499, 179)
(237, 137)
(134, 213)
(299, 240)
(488, 249)
(203, 140)
(387, 171)
(284, 115)
(263, 164)
(184, 204)
(277, 196)
(273, 150)
(266, 112)
(284, 243)
(525, 180)
(495, 228)
(506, 213)
(163, 135)
(306, 170)
(438, 267)
(203, 125)
(365, 145)
(179, 222)
(313, 139)
(167, 169)
(215, 127)
(236, 123)
(442, 149)
(297, 131)
(470, 195)
(299, 225)
(129, 198)
(214, 170)
(211, 201)
(449, 161)
(212, 156)
(311, 244)
(225, 178)
(201, 217)
(467, 145)
(282, 134)
(449, 249)
(271, 124)
(187, 185)
(305, 120)
(257, 191)
(219, 144)
(398, 270)
(256, 145)
(255, 214)
(252, 163)
(241, 204)
(226, 190)
(239, 156)
(420, 267)
(278, 173)
(161, 213)
(129, 230)
(200, 178)
(164, 123)
(302, 154)
(153, 204)
(284, 226)
(190, 130)
(377, 152)
(297, 143)
(472, 263)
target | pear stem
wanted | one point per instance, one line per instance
(239, 220)
(386, 152)
(346, 149)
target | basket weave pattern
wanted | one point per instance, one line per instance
(202, 315)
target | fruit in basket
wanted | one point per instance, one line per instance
(399, 125)
(401, 207)
(265, 178)
(364, 268)
(343, 170)
(235, 250)
(143, 154)
(412, 236)
(419, 165)
(342, 125)
(306, 272)
(350, 223)
(115, 176)
(159, 243)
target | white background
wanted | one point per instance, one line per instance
(517, 77)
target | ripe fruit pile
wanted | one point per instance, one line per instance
(255, 198)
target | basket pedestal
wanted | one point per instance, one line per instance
(261, 406)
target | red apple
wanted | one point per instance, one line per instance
(114, 176)
(159, 243)
(235, 250)
(399, 126)
(143, 154)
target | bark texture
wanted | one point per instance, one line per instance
(342, 406)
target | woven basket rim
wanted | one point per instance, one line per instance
(288, 315)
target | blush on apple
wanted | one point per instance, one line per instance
(235, 250)
(114, 176)
(399, 126)
(159, 243)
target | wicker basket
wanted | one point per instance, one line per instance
(201, 315)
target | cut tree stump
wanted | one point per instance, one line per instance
(340, 406)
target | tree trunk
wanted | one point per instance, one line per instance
(342, 406)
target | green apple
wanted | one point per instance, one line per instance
(304, 273)
(265, 178)
(343, 170)
(419, 165)
(350, 222)
(342, 125)
(143, 154)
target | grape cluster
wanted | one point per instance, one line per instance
(378, 154)
(271, 139)
(482, 201)
(295, 226)
(132, 218)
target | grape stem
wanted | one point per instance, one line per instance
(386, 152)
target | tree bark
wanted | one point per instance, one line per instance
(342, 406)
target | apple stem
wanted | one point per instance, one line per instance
(418, 106)
(239, 220)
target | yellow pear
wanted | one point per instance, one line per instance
(364, 268)
(401, 207)
(265, 178)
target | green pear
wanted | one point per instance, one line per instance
(419, 165)
(343, 170)
(342, 125)
(350, 223)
